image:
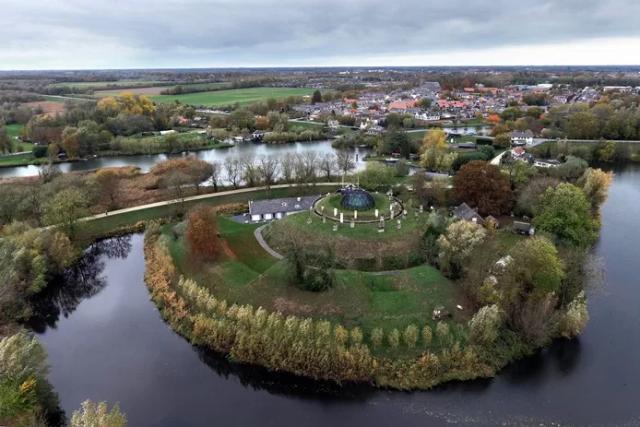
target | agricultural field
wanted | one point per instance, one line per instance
(155, 90)
(105, 84)
(52, 105)
(223, 98)
(148, 91)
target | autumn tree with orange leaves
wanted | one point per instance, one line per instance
(484, 187)
(202, 233)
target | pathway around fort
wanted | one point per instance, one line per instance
(258, 234)
(201, 197)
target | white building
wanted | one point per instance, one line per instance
(522, 138)
(270, 209)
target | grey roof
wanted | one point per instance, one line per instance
(522, 226)
(519, 134)
(465, 212)
(284, 205)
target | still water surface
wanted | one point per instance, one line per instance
(106, 341)
(146, 162)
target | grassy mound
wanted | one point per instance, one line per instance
(246, 274)
(362, 247)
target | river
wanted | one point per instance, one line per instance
(106, 341)
(146, 162)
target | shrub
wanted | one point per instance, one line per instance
(98, 415)
(443, 333)
(573, 321)
(427, 335)
(377, 335)
(484, 325)
(40, 151)
(341, 334)
(356, 336)
(410, 336)
(317, 279)
(393, 338)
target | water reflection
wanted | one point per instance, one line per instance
(146, 162)
(283, 383)
(84, 280)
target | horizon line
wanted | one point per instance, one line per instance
(251, 67)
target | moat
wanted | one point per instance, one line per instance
(107, 341)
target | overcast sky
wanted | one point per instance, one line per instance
(59, 34)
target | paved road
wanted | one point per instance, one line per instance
(197, 197)
(258, 234)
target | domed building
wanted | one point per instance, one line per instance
(355, 198)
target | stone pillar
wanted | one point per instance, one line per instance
(399, 224)
(341, 218)
(335, 212)
(353, 224)
(377, 213)
(355, 214)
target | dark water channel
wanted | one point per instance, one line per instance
(106, 341)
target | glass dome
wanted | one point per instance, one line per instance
(355, 198)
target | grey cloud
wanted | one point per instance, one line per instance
(259, 31)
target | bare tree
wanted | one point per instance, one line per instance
(328, 164)
(346, 162)
(268, 168)
(176, 181)
(232, 170)
(216, 169)
(250, 172)
(306, 167)
(287, 166)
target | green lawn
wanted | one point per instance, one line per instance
(333, 201)
(295, 125)
(368, 231)
(222, 98)
(20, 160)
(14, 131)
(369, 300)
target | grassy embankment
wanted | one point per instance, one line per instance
(246, 274)
(221, 98)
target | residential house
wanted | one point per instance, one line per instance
(466, 213)
(427, 117)
(519, 138)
